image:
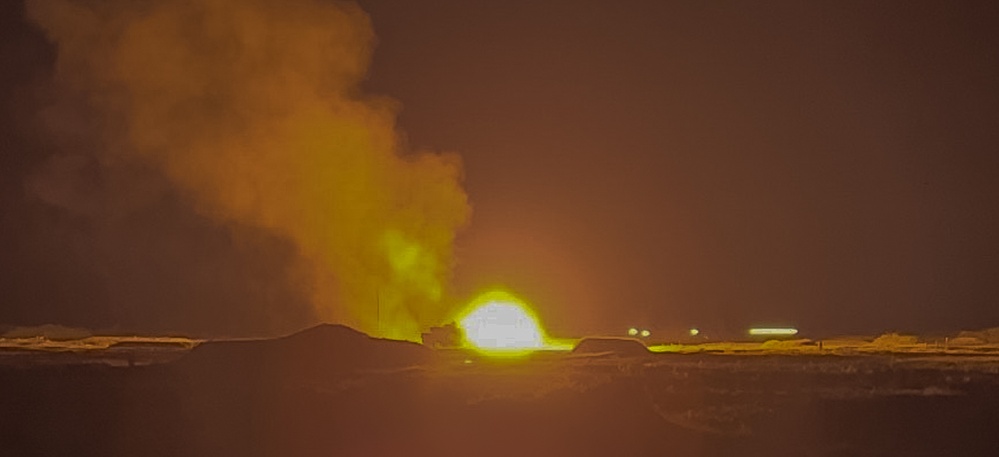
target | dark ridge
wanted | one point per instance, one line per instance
(318, 352)
(625, 347)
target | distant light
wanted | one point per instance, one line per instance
(694, 332)
(773, 331)
(646, 333)
(633, 331)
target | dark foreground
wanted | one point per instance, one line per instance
(331, 391)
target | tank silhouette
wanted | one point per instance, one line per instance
(443, 336)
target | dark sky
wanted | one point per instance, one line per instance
(827, 164)
(831, 165)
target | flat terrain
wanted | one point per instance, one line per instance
(333, 391)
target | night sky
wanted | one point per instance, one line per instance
(830, 165)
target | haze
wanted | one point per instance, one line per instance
(829, 165)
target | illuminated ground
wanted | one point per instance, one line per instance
(332, 391)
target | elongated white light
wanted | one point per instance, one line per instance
(782, 331)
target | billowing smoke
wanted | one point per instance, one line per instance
(251, 110)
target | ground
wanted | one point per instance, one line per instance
(333, 391)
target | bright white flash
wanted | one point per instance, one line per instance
(502, 326)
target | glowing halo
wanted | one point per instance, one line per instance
(500, 324)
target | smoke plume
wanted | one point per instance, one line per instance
(251, 110)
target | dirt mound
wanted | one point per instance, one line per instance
(318, 352)
(623, 347)
(894, 340)
(965, 341)
(989, 335)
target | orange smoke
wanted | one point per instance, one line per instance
(253, 109)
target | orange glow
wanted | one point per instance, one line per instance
(275, 136)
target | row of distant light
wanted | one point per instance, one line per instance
(644, 333)
(760, 331)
